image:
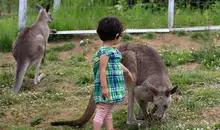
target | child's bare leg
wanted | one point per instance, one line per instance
(96, 125)
(108, 124)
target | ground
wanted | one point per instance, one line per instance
(161, 40)
(70, 109)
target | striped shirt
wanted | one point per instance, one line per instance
(114, 76)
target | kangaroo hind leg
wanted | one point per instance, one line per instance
(21, 68)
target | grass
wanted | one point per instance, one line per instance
(126, 37)
(180, 33)
(149, 35)
(64, 93)
(65, 47)
(208, 56)
(69, 17)
(8, 29)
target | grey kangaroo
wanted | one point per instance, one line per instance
(30, 46)
(151, 84)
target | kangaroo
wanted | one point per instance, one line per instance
(30, 46)
(151, 84)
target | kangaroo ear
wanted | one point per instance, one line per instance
(152, 88)
(48, 7)
(174, 90)
(38, 6)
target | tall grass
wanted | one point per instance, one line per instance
(8, 31)
(83, 14)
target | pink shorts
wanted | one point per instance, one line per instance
(103, 112)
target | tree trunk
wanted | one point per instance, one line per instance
(9, 6)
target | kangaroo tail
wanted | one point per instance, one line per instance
(82, 120)
(20, 72)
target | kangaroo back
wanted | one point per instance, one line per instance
(149, 61)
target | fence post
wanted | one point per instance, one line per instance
(22, 14)
(56, 4)
(170, 14)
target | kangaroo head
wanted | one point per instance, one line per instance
(44, 14)
(161, 100)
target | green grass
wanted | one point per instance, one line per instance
(69, 17)
(6, 78)
(9, 30)
(126, 37)
(188, 77)
(208, 56)
(68, 85)
(180, 33)
(65, 47)
(149, 35)
(64, 93)
(205, 36)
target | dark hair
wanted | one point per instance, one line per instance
(109, 27)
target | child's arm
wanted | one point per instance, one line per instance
(102, 68)
(127, 72)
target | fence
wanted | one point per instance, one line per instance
(174, 17)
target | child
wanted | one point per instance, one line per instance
(108, 72)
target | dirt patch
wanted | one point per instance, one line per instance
(188, 66)
(169, 40)
(166, 39)
(212, 115)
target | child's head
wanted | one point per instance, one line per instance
(109, 28)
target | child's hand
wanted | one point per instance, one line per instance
(105, 92)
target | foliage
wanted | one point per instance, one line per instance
(52, 56)
(8, 33)
(85, 42)
(6, 79)
(179, 33)
(205, 36)
(208, 56)
(43, 3)
(172, 58)
(140, 15)
(65, 47)
(126, 37)
(149, 35)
